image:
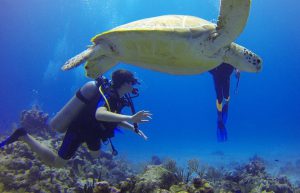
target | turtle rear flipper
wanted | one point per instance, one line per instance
(231, 21)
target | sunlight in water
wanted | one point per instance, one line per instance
(87, 4)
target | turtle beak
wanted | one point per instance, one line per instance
(259, 65)
(258, 68)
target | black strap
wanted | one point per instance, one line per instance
(130, 103)
(114, 151)
(102, 81)
(81, 97)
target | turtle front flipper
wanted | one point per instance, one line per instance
(78, 59)
(242, 58)
(99, 66)
(231, 22)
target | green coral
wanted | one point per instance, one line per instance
(153, 178)
(180, 188)
(1, 187)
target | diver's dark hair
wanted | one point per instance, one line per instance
(122, 76)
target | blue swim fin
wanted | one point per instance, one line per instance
(14, 137)
(221, 129)
(221, 132)
(225, 113)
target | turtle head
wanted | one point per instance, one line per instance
(252, 62)
(243, 59)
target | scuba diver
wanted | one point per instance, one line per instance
(221, 75)
(91, 116)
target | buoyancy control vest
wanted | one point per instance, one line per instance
(61, 121)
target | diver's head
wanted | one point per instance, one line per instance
(243, 59)
(123, 80)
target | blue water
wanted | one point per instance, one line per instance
(38, 36)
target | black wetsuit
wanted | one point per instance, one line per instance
(221, 76)
(86, 128)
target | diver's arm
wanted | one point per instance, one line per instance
(102, 114)
(129, 126)
(126, 125)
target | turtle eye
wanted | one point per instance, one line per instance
(258, 61)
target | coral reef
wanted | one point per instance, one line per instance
(291, 169)
(154, 177)
(252, 177)
(36, 122)
(155, 160)
(20, 171)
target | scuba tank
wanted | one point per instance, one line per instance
(61, 121)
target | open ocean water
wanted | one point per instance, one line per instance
(38, 36)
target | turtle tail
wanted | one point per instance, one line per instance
(78, 59)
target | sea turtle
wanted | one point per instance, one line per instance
(175, 44)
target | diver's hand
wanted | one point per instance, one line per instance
(140, 133)
(141, 117)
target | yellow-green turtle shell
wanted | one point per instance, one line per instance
(174, 44)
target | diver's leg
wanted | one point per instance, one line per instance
(226, 90)
(225, 109)
(219, 94)
(94, 145)
(72, 140)
(221, 130)
(226, 87)
(45, 153)
(218, 87)
(15, 136)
